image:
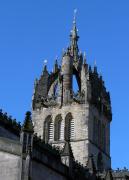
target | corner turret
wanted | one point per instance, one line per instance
(27, 131)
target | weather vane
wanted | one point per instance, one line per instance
(75, 13)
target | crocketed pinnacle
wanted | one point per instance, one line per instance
(56, 65)
(27, 125)
(67, 151)
(109, 175)
(91, 164)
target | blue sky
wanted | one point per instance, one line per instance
(31, 31)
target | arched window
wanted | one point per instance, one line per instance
(48, 129)
(69, 127)
(59, 128)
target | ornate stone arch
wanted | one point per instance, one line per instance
(58, 128)
(69, 127)
(53, 79)
(53, 89)
(76, 73)
(48, 129)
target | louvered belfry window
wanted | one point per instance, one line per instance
(48, 129)
(59, 128)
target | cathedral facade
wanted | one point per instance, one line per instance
(82, 116)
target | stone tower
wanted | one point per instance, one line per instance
(80, 117)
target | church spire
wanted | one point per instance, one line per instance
(74, 38)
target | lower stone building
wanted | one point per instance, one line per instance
(25, 156)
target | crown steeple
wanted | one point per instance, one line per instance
(77, 93)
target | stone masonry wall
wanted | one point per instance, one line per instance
(10, 166)
(93, 149)
(106, 159)
(80, 115)
(41, 171)
(82, 143)
(10, 159)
